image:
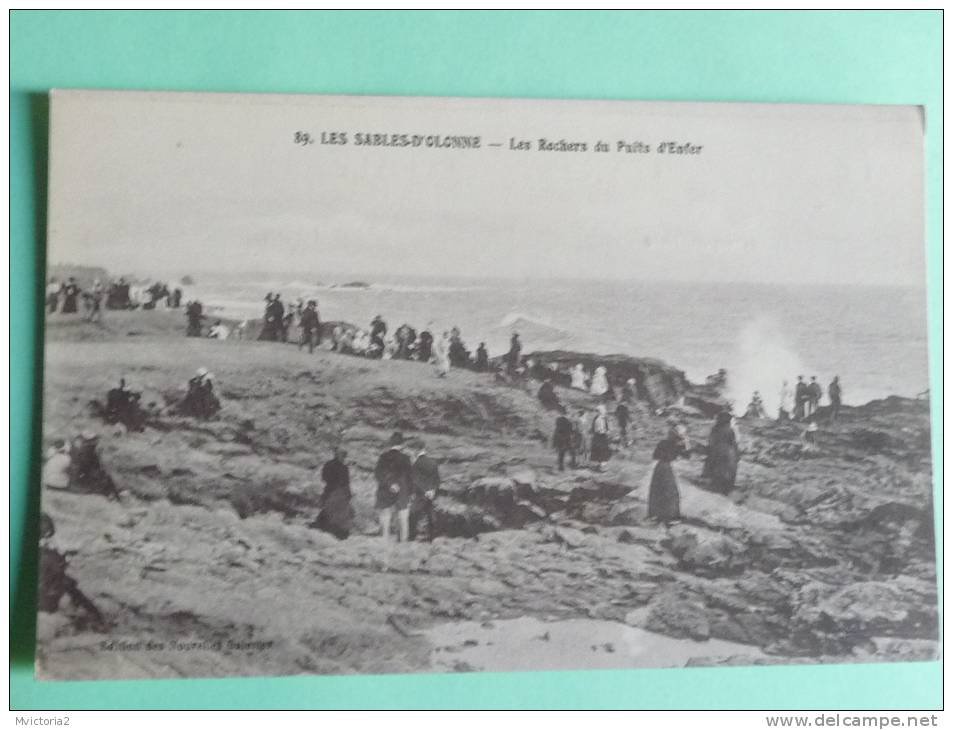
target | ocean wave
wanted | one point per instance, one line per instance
(359, 286)
(513, 319)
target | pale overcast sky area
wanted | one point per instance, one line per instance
(169, 184)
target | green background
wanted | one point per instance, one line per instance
(861, 57)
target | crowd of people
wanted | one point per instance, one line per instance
(585, 438)
(301, 322)
(802, 403)
(67, 296)
(407, 477)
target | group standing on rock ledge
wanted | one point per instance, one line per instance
(408, 479)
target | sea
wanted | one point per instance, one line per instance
(873, 337)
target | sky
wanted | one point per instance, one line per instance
(173, 184)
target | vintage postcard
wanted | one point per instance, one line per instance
(371, 385)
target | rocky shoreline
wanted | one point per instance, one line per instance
(822, 557)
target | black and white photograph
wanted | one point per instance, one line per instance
(372, 385)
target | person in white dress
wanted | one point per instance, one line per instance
(600, 383)
(578, 376)
(442, 355)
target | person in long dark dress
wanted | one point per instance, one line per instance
(336, 513)
(834, 393)
(280, 330)
(721, 465)
(513, 356)
(482, 359)
(800, 399)
(425, 346)
(623, 417)
(71, 293)
(664, 500)
(547, 396)
(194, 317)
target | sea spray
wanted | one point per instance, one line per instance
(762, 361)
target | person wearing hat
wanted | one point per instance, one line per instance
(86, 471)
(200, 400)
(93, 300)
(664, 500)
(801, 397)
(70, 293)
(513, 356)
(377, 334)
(394, 475)
(194, 317)
(53, 290)
(426, 479)
(267, 324)
(425, 344)
(721, 464)
(310, 326)
(56, 470)
(218, 331)
(336, 513)
(563, 440)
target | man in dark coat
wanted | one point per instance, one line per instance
(623, 417)
(278, 319)
(564, 440)
(378, 332)
(395, 485)
(336, 513)
(801, 397)
(426, 478)
(310, 326)
(267, 324)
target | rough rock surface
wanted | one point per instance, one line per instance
(656, 382)
(209, 553)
